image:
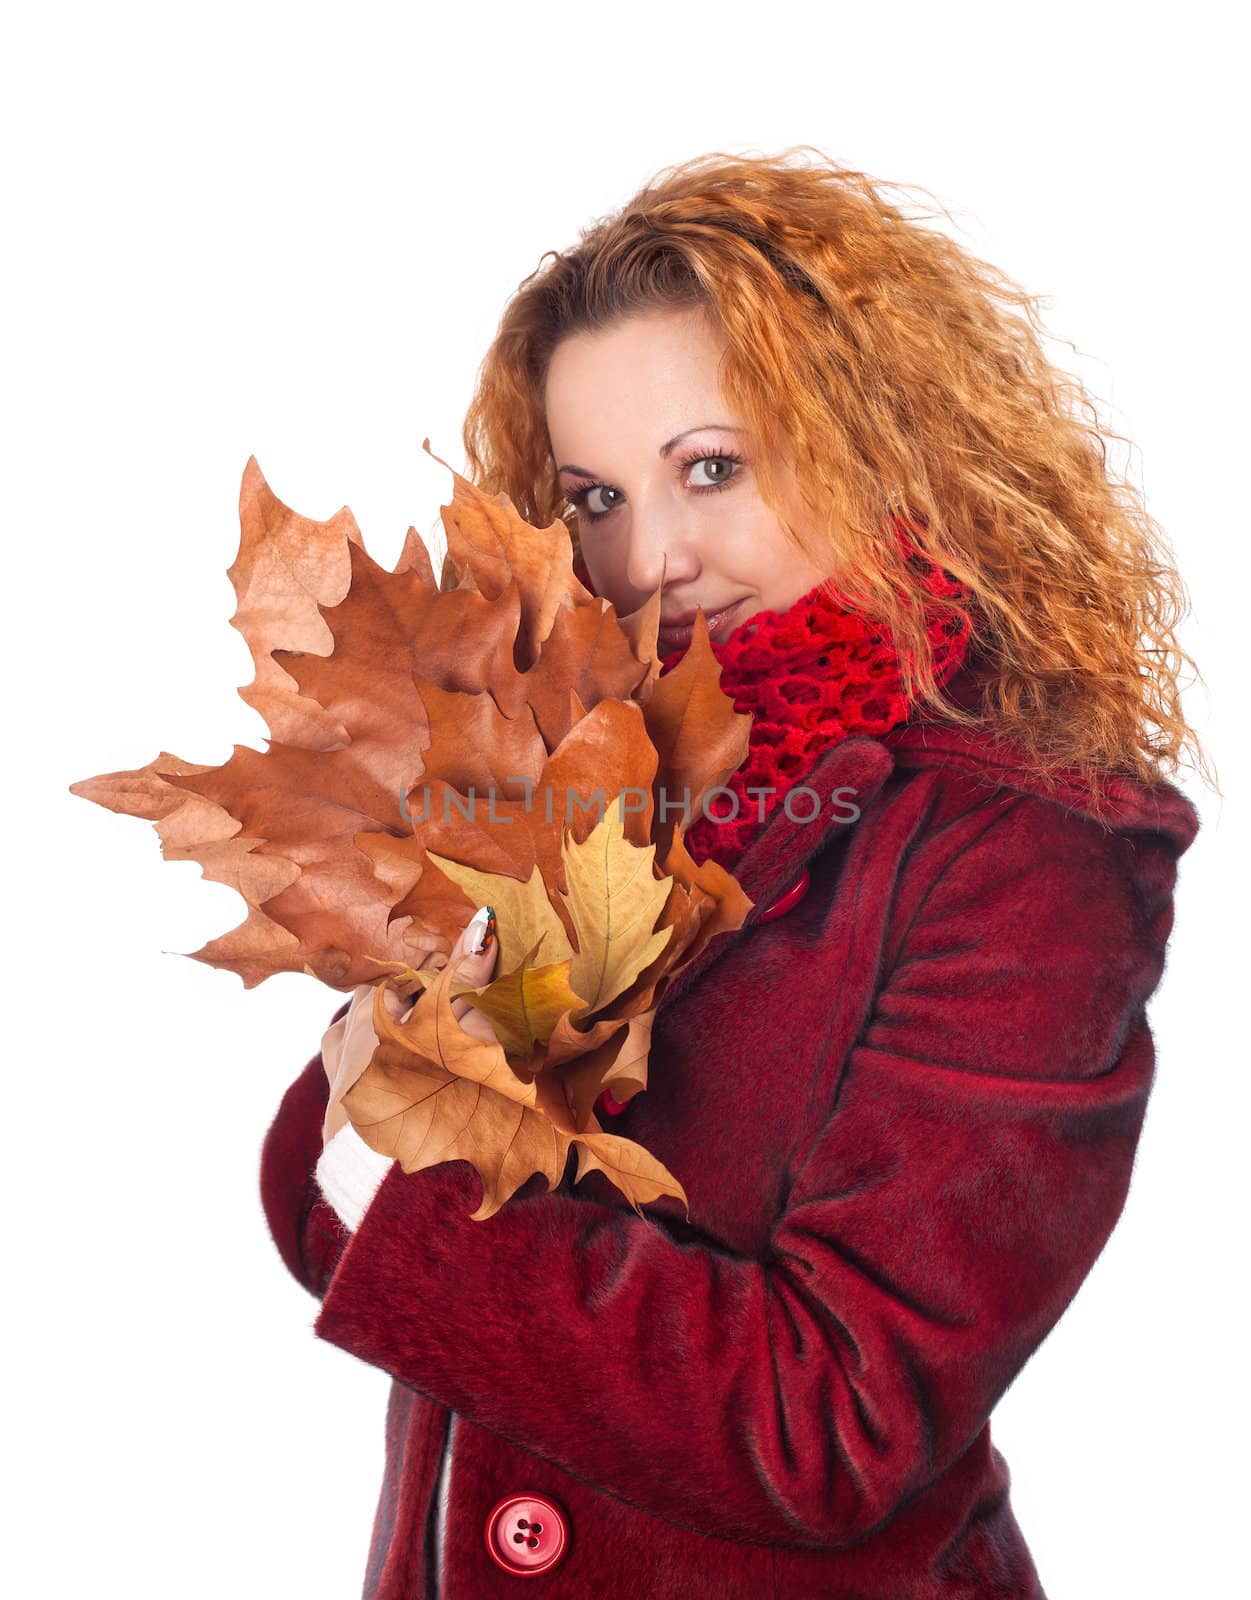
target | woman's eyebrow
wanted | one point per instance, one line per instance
(666, 449)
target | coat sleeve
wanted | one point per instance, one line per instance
(305, 1227)
(976, 1159)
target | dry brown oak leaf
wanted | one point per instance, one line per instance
(501, 737)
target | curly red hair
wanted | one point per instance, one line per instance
(891, 371)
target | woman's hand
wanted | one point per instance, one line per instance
(348, 1044)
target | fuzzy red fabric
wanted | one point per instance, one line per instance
(811, 676)
(905, 1115)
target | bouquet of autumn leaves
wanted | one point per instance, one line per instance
(498, 737)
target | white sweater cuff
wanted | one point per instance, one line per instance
(349, 1174)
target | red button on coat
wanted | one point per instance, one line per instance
(606, 1106)
(526, 1534)
(788, 899)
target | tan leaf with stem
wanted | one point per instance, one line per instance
(614, 898)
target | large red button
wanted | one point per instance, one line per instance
(526, 1534)
(788, 899)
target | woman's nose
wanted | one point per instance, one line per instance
(661, 549)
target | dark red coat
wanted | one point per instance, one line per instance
(905, 1115)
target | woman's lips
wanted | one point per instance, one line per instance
(676, 637)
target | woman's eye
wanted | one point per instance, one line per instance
(598, 510)
(582, 500)
(725, 471)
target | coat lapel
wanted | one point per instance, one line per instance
(858, 766)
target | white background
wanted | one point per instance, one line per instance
(290, 231)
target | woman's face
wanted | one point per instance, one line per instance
(660, 470)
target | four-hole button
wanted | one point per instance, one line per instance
(526, 1534)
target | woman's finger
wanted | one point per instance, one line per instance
(395, 1003)
(475, 967)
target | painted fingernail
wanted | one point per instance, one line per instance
(481, 930)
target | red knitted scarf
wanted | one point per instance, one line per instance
(810, 676)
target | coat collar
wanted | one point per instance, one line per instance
(860, 765)
(1130, 805)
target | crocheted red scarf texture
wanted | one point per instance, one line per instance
(810, 676)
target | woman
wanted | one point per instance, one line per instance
(904, 1097)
